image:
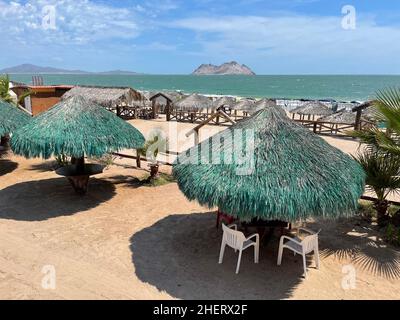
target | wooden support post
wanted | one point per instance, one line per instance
(315, 127)
(153, 109)
(196, 137)
(138, 162)
(168, 111)
(357, 125)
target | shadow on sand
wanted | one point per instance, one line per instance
(45, 166)
(45, 199)
(7, 166)
(361, 245)
(179, 255)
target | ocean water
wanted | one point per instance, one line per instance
(340, 88)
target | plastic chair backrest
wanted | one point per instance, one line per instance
(233, 238)
(309, 243)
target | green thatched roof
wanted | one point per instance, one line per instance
(11, 118)
(75, 127)
(291, 173)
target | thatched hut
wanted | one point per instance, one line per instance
(365, 111)
(244, 105)
(225, 101)
(194, 102)
(243, 108)
(75, 127)
(270, 168)
(312, 109)
(107, 97)
(11, 118)
(193, 108)
(264, 103)
(342, 117)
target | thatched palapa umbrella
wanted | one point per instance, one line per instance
(264, 103)
(244, 105)
(108, 97)
(285, 173)
(77, 128)
(195, 102)
(313, 108)
(11, 118)
(343, 117)
(224, 102)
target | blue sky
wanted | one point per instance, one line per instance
(175, 36)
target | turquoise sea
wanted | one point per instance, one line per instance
(341, 88)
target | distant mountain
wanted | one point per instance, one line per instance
(30, 68)
(33, 69)
(228, 68)
(119, 72)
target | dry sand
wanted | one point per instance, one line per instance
(122, 241)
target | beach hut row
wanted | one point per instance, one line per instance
(285, 173)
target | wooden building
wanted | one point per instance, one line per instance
(42, 98)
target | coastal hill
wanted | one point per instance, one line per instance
(228, 68)
(33, 69)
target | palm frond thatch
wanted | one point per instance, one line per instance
(289, 173)
(75, 127)
(244, 105)
(194, 102)
(264, 103)
(224, 102)
(11, 118)
(343, 117)
(107, 97)
(313, 108)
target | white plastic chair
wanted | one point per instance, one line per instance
(237, 240)
(303, 247)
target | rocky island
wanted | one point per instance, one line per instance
(229, 68)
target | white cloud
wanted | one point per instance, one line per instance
(295, 39)
(77, 22)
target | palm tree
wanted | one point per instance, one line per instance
(383, 178)
(387, 107)
(381, 159)
(152, 147)
(5, 89)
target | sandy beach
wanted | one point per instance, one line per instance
(125, 241)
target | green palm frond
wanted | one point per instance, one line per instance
(23, 96)
(387, 112)
(388, 106)
(383, 172)
(5, 89)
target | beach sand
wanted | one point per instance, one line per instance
(122, 241)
